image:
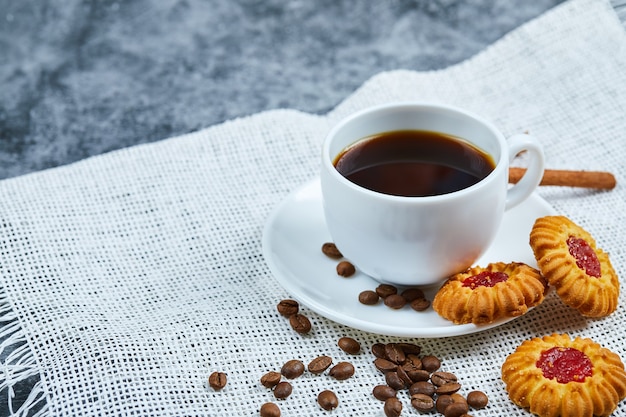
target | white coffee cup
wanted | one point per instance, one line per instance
(413, 241)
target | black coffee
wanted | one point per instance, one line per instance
(414, 163)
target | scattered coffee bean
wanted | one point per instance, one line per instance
(411, 294)
(443, 401)
(385, 290)
(394, 353)
(270, 379)
(413, 361)
(345, 269)
(330, 249)
(341, 371)
(282, 390)
(395, 301)
(384, 365)
(319, 364)
(270, 410)
(422, 402)
(383, 392)
(440, 378)
(448, 388)
(292, 369)
(327, 400)
(288, 307)
(430, 363)
(420, 304)
(393, 407)
(217, 380)
(422, 387)
(349, 345)
(456, 409)
(300, 323)
(477, 399)
(368, 297)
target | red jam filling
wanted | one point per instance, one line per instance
(485, 279)
(565, 365)
(586, 258)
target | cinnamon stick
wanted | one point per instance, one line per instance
(585, 179)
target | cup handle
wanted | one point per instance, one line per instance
(531, 179)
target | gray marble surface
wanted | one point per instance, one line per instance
(79, 78)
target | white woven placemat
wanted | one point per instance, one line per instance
(133, 275)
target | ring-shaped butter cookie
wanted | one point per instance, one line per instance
(482, 295)
(558, 376)
(580, 272)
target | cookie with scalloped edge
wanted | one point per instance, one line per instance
(482, 295)
(580, 272)
(557, 376)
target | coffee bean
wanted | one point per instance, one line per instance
(330, 249)
(270, 379)
(349, 345)
(440, 378)
(385, 290)
(300, 323)
(378, 350)
(411, 294)
(410, 348)
(282, 390)
(419, 375)
(422, 402)
(430, 363)
(448, 388)
(368, 297)
(327, 400)
(288, 307)
(320, 364)
(477, 399)
(395, 301)
(443, 401)
(422, 387)
(384, 365)
(456, 410)
(404, 376)
(394, 353)
(217, 380)
(345, 269)
(383, 392)
(420, 304)
(292, 369)
(394, 381)
(341, 371)
(393, 407)
(270, 410)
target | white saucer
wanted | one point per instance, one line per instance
(292, 241)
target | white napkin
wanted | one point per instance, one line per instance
(134, 275)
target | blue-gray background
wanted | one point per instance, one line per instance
(80, 77)
(83, 77)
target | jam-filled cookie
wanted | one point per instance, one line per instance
(558, 376)
(483, 295)
(580, 272)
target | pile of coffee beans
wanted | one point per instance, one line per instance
(429, 388)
